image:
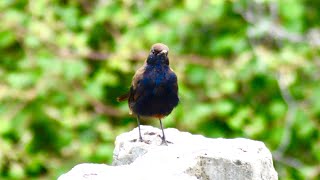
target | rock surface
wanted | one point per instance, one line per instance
(187, 157)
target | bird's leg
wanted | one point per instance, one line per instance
(140, 137)
(164, 142)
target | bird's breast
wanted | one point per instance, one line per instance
(156, 75)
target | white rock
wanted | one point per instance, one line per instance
(105, 172)
(186, 157)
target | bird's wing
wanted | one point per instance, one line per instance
(136, 90)
(138, 76)
(173, 81)
(135, 80)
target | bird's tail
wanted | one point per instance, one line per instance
(123, 97)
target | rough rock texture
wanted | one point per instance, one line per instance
(186, 157)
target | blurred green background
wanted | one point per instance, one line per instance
(245, 68)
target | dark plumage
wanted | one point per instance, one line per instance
(154, 88)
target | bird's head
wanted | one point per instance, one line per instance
(158, 55)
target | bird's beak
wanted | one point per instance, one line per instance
(163, 52)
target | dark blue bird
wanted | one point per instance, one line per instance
(154, 88)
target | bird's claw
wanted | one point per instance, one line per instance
(164, 142)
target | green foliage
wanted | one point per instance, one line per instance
(245, 68)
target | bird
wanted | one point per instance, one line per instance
(154, 89)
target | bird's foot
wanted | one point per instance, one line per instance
(140, 139)
(164, 142)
